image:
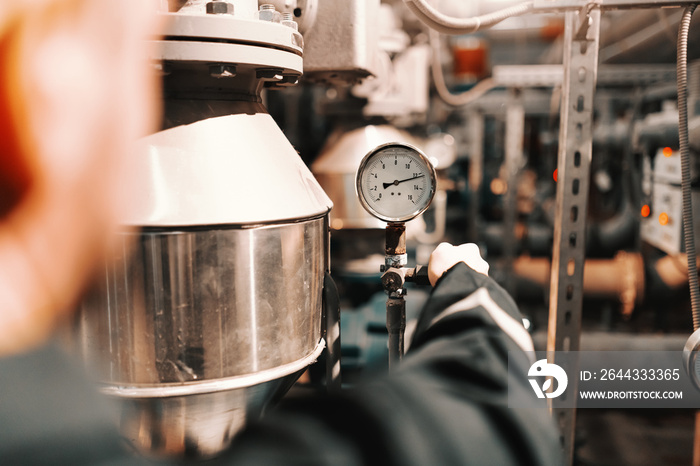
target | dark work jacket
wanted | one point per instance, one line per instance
(447, 403)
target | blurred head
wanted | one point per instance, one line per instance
(75, 94)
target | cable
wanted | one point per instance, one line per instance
(455, 26)
(455, 100)
(682, 76)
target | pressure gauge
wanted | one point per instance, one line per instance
(691, 351)
(395, 182)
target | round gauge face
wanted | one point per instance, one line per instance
(691, 357)
(395, 182)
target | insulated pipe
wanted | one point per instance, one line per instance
(673, 270)
(607, 236)
(621, 277)
(457, 26)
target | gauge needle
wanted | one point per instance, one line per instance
(397, 182)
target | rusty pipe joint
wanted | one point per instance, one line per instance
(395, 239)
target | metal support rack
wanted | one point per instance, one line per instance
(575, 149)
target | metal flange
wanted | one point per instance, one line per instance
(222, 40)
(229, 29)
(220, 52)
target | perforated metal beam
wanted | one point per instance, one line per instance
(515, 130)
(575, 149)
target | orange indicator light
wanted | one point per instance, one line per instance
(667, 151)
(646, 211)
(663, 218)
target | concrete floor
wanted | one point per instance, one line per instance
(640, 437)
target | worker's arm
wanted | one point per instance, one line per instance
(446, 404)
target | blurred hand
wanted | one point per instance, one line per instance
(445, 256)
(75, 93)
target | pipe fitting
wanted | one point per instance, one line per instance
(393, 280)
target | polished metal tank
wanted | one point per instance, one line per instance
(215, 306)
(196, 331)
(192, 306)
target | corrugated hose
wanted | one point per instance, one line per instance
(689, 236)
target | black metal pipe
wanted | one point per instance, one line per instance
(396, 325)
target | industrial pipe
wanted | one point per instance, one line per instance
(673, 270)
(456, 26)
(621, 277)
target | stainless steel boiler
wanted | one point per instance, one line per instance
(216, 306)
